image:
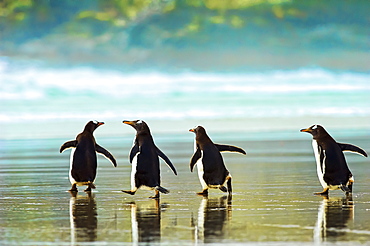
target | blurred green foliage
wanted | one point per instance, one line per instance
(23, 19)
(112, 25)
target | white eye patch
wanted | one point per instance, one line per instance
(139, 122)
(314, 127)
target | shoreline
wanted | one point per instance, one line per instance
(265, 128)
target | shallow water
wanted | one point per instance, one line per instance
(272, 202)
(64, 99)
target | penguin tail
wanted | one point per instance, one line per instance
(161, 189)
(344, 188)
(223, 188)
(91, 184)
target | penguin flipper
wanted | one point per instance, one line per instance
(196, 156)
(134, 150)
(106, 154)
(229, 148)
(352, 148)
(67, 145)
(167, 160)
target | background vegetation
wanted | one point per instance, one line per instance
(201, 35)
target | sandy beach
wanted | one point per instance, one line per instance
(272, 202)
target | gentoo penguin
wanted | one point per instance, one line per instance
(332, 168)
(145, 162)
(211, 168)
(83, 161)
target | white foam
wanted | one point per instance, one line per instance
(47, 94)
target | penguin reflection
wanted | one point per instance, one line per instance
(333, 216)
(212, 215)
(146, 222)
(83, 217)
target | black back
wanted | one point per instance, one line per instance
(336, 168)
(148, 170)
(214, 168)
(84, 159)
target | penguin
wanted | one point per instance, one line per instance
(83, 161)
(332, 168)
(144, 159)
(211, 168)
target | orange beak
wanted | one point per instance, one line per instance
(131, 123)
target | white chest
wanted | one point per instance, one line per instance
(133, 171)
(200, 167)
(320, 167)
(71, 179)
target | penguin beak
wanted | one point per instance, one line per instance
(100, 123)
(191, 130)
(306, 130)
(131, 123)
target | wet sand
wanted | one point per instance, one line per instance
(272, 201)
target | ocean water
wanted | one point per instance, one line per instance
(39, 101)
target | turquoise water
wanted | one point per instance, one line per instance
(64, 99)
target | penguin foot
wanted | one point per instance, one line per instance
(129, 192)
(203, 193)
(321, 193)
(325, 192)
(88, 189)
(156, 196)
(73, 188)
(223, 188)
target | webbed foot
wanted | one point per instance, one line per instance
(325, 192)
(203, 193)
(129, 192)
(156, 196)
(73, 188)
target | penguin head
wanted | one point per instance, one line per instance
(140, 126)
(92, 125)
(198, 130)
(316, 131)
(200, 133)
